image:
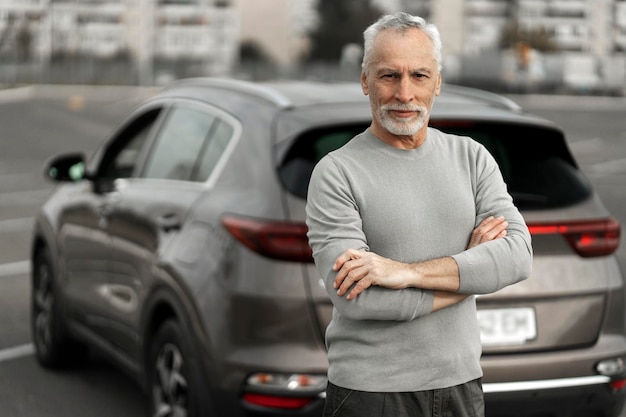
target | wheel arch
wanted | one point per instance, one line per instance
(165, 303)
(43, 239)
(173, 304)
(55, 345)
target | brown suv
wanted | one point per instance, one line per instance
(179, 249)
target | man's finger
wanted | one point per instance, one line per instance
(343, 279)
(490, 228)
(360, 286)
(345, 257)
(341, 274)
(341, 259)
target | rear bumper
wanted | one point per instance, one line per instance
(590, 396)
(314, 409)
(564, 383)
(565, 397)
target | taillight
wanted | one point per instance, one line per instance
(276, 401)
(618, 384)
(286, 391)
(286, 241)
(588, 237)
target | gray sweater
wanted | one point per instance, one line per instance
(411, 206)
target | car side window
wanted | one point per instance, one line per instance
(216, 145)
(121, 157)
(179, 143)
(189, 145)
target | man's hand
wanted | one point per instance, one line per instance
(367, 268)
(491, 228)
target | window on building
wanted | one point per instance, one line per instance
(174, 2)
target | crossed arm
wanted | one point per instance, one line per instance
(357, 270)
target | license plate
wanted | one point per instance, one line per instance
(507, 326)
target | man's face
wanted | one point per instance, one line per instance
(402, 82)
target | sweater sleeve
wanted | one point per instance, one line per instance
(334, 226)
(493, 265)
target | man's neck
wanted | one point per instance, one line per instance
(400, 141)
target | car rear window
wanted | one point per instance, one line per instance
(297, 166)
(535, 161)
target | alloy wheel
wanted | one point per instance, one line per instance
(170, 384)
(43, 309)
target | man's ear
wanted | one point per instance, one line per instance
(364, 83)
(439, 81)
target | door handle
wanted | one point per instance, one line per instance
(103, 212)
(106, 207)
(169, 222)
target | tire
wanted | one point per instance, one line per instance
(176, 387)
(53, 348)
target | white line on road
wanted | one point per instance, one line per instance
(587, 146)
(24, 198)
(14, 268)
(616, 166)
(16, 352)
(23, 224)
(10, 95)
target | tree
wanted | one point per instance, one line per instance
(342, 22)
(23, 43)
(251, 51)
(514, 35)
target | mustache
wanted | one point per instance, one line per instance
(403, 107)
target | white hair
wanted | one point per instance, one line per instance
(400, 22)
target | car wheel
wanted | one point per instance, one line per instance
(175, 384)
(52, 346)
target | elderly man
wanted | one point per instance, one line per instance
(407, 224)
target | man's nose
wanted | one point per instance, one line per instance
(404, 90)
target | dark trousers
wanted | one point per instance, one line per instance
(464, 400)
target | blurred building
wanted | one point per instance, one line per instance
(174, 38)
(589, 37)
(203, 31)
(620, 26)
(151, 33)
(593, 26)
(574, 25)
(277, 27)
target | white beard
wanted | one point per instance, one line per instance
(402, 127)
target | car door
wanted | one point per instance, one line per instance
(83, 234)
(151, 208)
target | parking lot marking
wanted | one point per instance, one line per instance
(14, 268)
(612, 167)
(10, 95)
(17, 352)
(23, 224)
(24, 198)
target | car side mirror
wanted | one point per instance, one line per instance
(66, 168)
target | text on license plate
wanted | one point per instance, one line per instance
(507, 326)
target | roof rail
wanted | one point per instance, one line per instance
(493, 99)
(246, 87)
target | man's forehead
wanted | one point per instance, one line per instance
(410, 60)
